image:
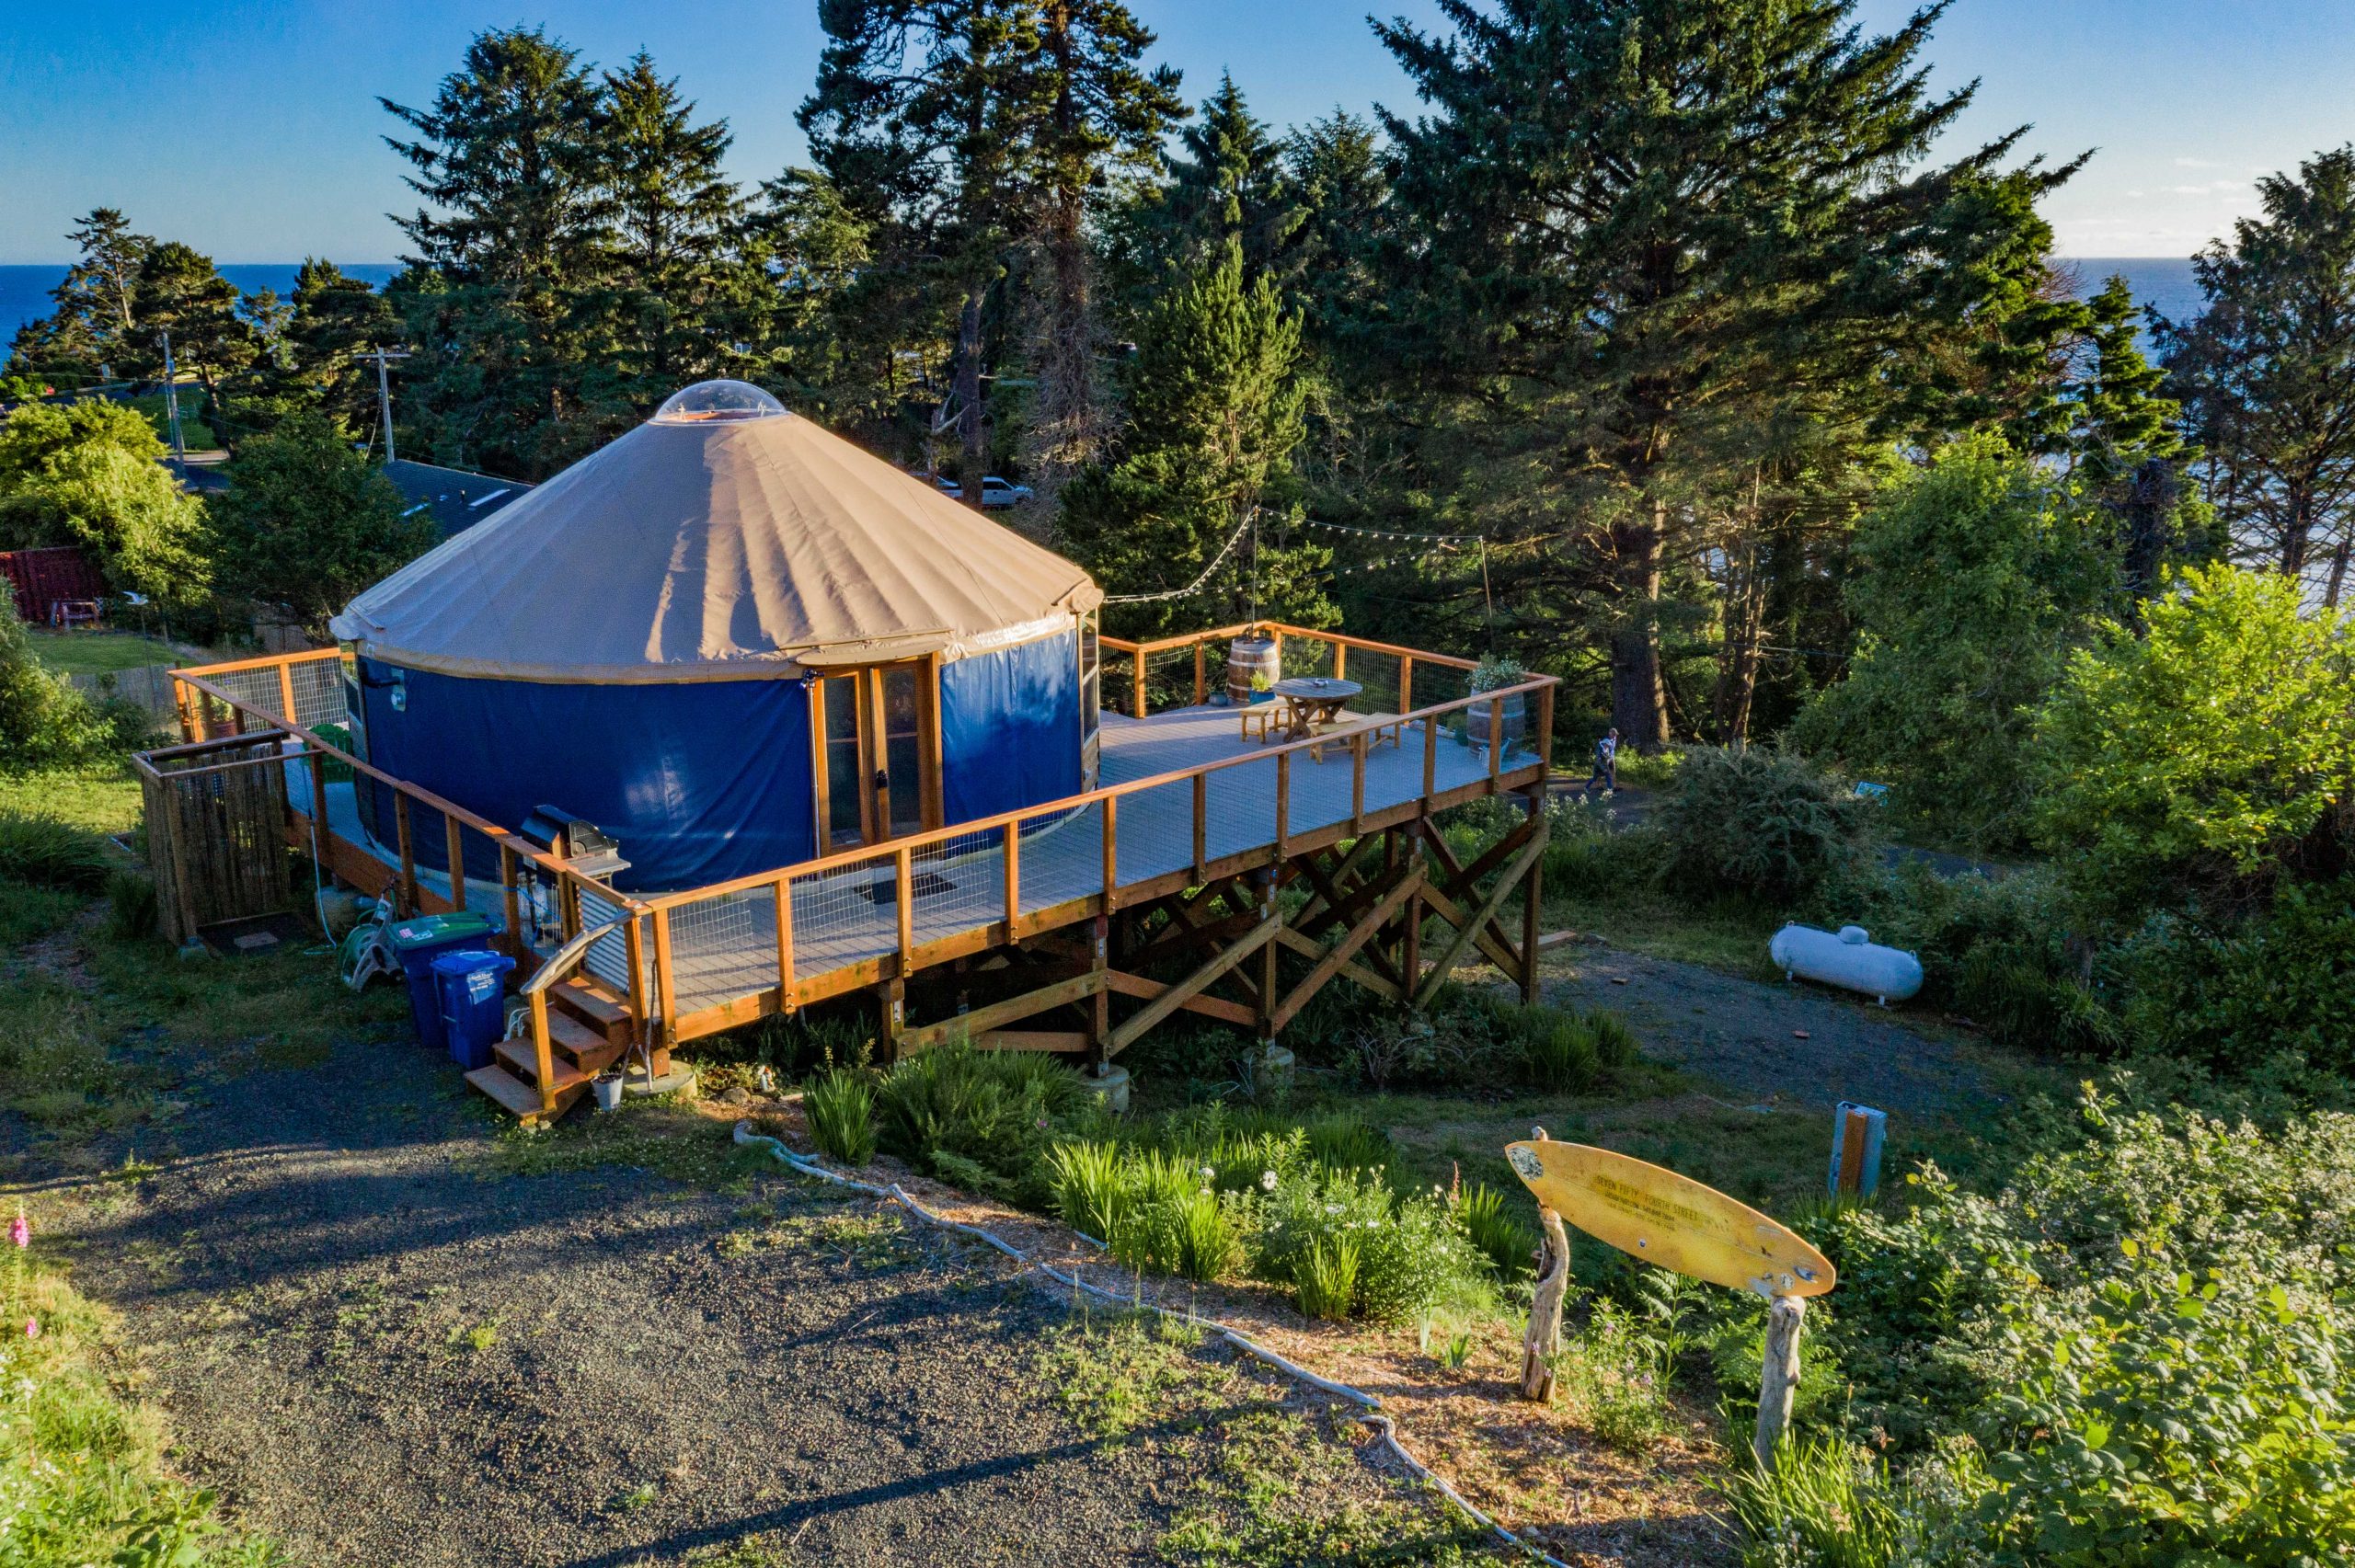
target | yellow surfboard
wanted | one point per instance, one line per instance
(1671, 1220)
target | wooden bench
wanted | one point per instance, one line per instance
(1387, 726)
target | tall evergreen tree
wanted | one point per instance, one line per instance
(921, 116)
(1230, 181)
(1102, 113)
(338, 317)
(674, 218)
(499, 296)
(92, 326)
(180, 291)
(2267, 372)
(2117, 419)
(1213, 398)
(1630, 233)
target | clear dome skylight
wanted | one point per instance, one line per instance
(713, 400)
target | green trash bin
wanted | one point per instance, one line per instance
(420, 940)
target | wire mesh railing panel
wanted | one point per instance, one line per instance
(1242, 809)
(1153, 830)
(254, 689)
(843, 915)
(1062, 857)
(957, 884)
(318, 691)
(1306, 658)
(721, 947)
(1170, 678)
(1378, 673)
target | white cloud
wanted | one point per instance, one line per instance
(2198, 164)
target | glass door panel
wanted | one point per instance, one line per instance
(901, 794)
(846, 786)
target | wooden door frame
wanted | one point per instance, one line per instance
(868, 693)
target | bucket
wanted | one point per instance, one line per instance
(1247, 657)
(607, 1087)
(474, 1003)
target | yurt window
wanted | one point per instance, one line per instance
(1091, 688)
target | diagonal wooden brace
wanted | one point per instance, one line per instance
(1506, 880)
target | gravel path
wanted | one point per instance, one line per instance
(385, 1350)
(1798, 1042)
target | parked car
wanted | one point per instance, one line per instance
(995, 492)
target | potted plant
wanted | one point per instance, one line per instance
(1262, 688)
(1494, 673)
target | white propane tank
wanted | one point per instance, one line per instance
(1849, 959)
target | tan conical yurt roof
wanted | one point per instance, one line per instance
(723, 538)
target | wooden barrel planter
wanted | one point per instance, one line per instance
(1246, 657)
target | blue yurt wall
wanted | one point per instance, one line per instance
(1010, 729)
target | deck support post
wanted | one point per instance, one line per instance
(1532, 895)
(1267, 888)
(1099, 1005)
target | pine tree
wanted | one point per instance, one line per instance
(336, 319)
(1102, 115)
(2117, 419)
(180, 291)
(500, 296)
(675, 217)
(1231, 181)
(922, 117)
(2267, 372)
(1213, 398)
(1634, 237)
(92, 326)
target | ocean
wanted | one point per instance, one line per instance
(24, 291)
(2163, 282)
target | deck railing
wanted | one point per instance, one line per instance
(701, 959)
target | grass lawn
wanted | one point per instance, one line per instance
(103, 653)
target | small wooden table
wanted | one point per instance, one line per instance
(1313, 702)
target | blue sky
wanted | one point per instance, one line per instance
(251, 131)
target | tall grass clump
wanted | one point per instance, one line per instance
(841, 1108)
(1324, 1282)
(50, 853)
(1503, 1237)
(1561, 1058)
(983, 1119)
(1820, 1503)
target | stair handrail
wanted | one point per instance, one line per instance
(566, 959)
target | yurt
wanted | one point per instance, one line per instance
(732, 641)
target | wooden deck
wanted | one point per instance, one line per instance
(1168, 880)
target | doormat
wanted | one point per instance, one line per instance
(924, 885)
(257, 936)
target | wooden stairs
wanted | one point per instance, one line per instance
(588, 1031)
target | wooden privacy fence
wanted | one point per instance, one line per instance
(216, 838)
(693, 962)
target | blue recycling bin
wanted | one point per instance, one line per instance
(471, 984)
(417, 942)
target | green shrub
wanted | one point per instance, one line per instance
(2283, 981)
(1590, 857)
(1090, 1188)
(44, 721)
(1503, 1237)
(841, 1108)
(1762, 823)
(1411, 1253)
(132, 912)
(1615, 1040)
(52, 853)
(1820, 1504)
(999, 1110)
(1617, 1378)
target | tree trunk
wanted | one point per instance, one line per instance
(1738, 660)
(973, 457)
(1779, 1381)
(1064, 438)
(1638, 701)
(2338, 572)
(2296, 534)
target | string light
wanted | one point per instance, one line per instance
(1224, 550)
(1441, 540)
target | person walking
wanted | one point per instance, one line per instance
(1606, 765)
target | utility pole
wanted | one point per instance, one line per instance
(172, 409)
(383, 358)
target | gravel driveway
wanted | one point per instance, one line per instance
(383, 1348)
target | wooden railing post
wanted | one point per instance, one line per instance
(454, 843)
(1283, 800)
(1201, 688)
(1430, 757)
(1202, 826)
(1406, 684)
(903, 885)
(1111, 850)
(409, 854)
(1357, 783)
(1496, 739)
(543, 1060)
(286, 694)
(1340, 659)
(634, 954)
(1139, 658)
(665, 985)
(1012, 855)
(783, 943)
(1544, 734)
(187, 719)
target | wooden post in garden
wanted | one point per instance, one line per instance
(1544, 1341)
(1780, 1380)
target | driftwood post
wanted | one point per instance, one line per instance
(1545, 1340)
(1780, 1380)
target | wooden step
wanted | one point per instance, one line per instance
(592, 1005)
(522, 1063)
(519, 1098)
(567, 1036)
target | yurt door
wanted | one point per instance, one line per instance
(879, 772)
